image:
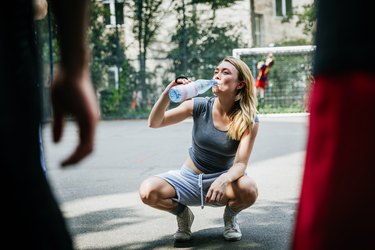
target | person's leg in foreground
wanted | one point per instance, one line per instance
(336, 209)
(32, 215)
(33, 219)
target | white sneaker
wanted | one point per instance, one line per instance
(184, 222)
(232, 230)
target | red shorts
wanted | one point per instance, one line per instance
(337, 203)
(260, 84)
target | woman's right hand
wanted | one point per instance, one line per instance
(174, 83)
(159, 117)
(169, 86)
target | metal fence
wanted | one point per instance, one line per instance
(289, 78)
(288, 81)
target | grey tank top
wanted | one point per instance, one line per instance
(212, 150)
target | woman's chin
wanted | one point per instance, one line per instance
(215, 89)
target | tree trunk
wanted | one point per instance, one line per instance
(252, 22)
(184, 38)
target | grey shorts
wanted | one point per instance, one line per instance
(191, 188)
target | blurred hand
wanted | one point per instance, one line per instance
(72, 94)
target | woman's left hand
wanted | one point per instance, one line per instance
(216, 192)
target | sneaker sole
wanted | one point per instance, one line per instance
(182, 240)
(233, 239)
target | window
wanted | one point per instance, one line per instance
(113, 77)
(283, 7)
(119, 11)
(113, 12)
(258, 35)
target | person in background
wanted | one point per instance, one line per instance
(261, 80)
(336, 207)
(224, 132)
(31, 212)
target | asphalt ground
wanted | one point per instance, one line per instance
(99, 196)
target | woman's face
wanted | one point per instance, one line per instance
(227, 77)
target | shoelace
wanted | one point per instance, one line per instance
(231, 223)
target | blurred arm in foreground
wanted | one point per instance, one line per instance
(72, 89)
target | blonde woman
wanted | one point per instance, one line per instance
(224, 131)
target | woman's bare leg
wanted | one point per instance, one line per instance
(241, 194)
(158, 193)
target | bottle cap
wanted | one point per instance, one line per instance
(180, 77)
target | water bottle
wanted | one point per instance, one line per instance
(182, 92)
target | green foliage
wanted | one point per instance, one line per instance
(295, 42)
(47, 41)
(271, 109)
(128, 84)
(215, 4)
(206, 46)
(147, 19)
(116, 102)
(106, 50)
(199, 45)
(307, 18)
(110, 100)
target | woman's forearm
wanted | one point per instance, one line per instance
(156, 116)
(235, 172)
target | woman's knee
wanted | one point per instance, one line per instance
(247, 191)
(149, 192)
(154, 189)
(251, 193)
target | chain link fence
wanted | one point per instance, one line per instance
(289, 79)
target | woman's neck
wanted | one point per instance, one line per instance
(224, 105)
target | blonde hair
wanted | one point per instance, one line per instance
(244, 109)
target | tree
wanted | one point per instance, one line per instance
(201, 45)
(306, 18)
(215, 4)
(105, 46)
(108, 51)
(252, 21)
(147, 19)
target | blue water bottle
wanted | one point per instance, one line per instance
(180, 93)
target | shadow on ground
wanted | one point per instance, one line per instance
(267, 225)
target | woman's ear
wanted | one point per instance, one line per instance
(241, 85)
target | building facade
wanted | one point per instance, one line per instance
(263, 24)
